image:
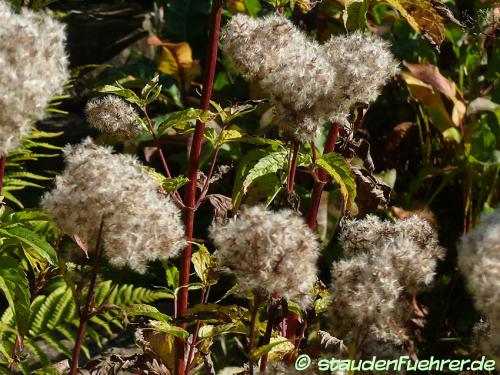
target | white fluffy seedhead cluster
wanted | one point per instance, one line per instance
(113, 116)
(363, 64)
(479, 261)
(33, 68)
(274, 253)
(387, 263)
(139, 223)
(306, 80)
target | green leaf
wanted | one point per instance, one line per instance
(182, 120)
(149, 311)
(151, 91)
(355, 14)
(340, 171)
(172, 184)
(211, 330)
(172, 275)
(260, 351)
(169, 328)
(256, 164)
(253, 7)
(202, 261)
(14, 284)
(41, 248)
(125, 93)
(228, 135)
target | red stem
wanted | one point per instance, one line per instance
(190, 194)
(322, 177)
(162, 157)
(194, 341)
(293, 167)
(319, 184)
(3, 161)
(86, 313)
(269, 330)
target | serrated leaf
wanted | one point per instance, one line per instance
(422, 17)
(125, 93)
(14, 284)
(183, 120)
(172, 184)
(340, 171)
(256, 164)
(41, 248)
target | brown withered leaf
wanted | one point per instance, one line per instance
(361, 148)
(223, 207)
(398, 136)
(371, 191)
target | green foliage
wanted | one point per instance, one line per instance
(17, 177)
(52, 320)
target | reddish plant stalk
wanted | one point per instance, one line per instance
(322, 177)
(194, 341)
(273, 309)
(162, 157)
(85, 314)
(319, 183)
(190, 194)
(293, 166)
(3, 161)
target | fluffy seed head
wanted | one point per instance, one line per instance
(113, 116)
(387, 263)
(363, 63)
(411, 246)
(33, 68)
(270, 252)
(287, 65)
(479, 261)
(309, 83)
(139, 223)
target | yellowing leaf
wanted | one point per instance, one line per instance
(177, 60)
(422, 17)
(431, 75)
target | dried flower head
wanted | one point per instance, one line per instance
(363, 63)
(113, 116)
(33, 68)
(288, 66)
(479, 261)
(270, 252)
(309, 83)
(387, 264)
(411, 244)
(139, 223)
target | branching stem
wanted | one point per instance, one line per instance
(85, 314)
(190, 193)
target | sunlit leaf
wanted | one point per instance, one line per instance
(340, 171)
(14, 285)
(422, 17)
